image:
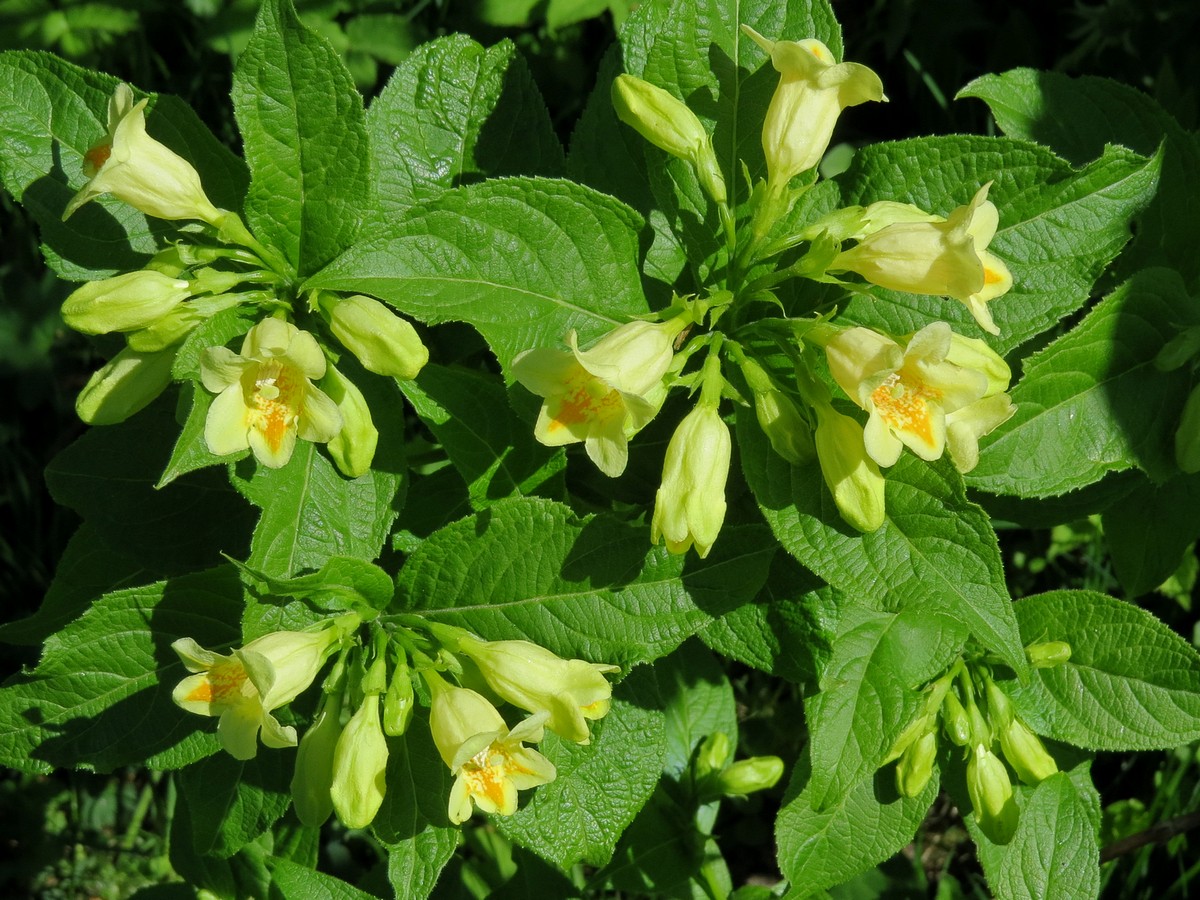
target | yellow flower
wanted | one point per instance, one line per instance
(908, 390)
(813, 90)
(246, 686)
(266, 398)
(132, 166)
(689, 508)
(602, 396)
(569, 691)
(946, 258)
(490, 763)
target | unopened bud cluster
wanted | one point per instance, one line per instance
(282, 385)
(368, 697)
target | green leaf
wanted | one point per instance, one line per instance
(523, 260)
(492, 449)
(101, 695)
(593, 588)
(1059, 227)
(292, 881)
(935, 551)
(232, 802)
(108, 476)
(697, 700)
(820, 848)
(455, 112)
(1131, 683)
(305, 139)
(1077, 118)
(1148, 531)
(1093, 401)
(311, 513)
(244, 874)
(600, 787)
(1053, 853)
(51, 114)
(342, 582)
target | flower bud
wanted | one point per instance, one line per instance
(398, 702)
(713, 755)
(1187, 436)
(313, 778)
(383, 342)
(1026, 753)
(991, 793)
(689, 508)
(779, 418)
(916, 764)
(1048, 654)
(757, 773)
(124, 302)
(353, 448)
(126, 384)
(853, 477)
(955, 720)
(360, 767)
(667, 123)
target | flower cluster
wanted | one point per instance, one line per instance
(977, 715)
(283, 385)
(341, 764)
(933, 391)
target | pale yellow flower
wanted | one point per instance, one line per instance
(689, 508)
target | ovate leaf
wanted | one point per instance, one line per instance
(231, 802)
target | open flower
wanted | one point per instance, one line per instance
(134, 167)
(266, 398)
(602, 396)
(947, 258)
(247, 685)
(813, 90)
(689, 508)
(569, 691)
(908, 391)
(490, 763)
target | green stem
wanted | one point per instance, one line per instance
(145, 798)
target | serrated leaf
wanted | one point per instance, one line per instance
(593, 589)
(1131, 683)
(1053, 853)
(455, 112)
(311, 513)
(493, 450)
(935, 551)
(697, 701)
(818, 849)
(600, 787)
(232, 802)
(305, 139)
(51, 114)
(1093, 401)
(244, 874)
(108, 476)
(868, 692)
(522, 260)
(1077, 117)
(345, 580)
(101, 695)
(1148, 531)
(1059, 227)
(296, 882)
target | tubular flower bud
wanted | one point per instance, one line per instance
(123, 303)
(313, 778)
(126, 384)
(383, 342)
(490, 763)
(1026, 753)
(360, 767)
(852, 476)
(778, 416)
(689, 508)
(569, 691)
(667, 123)
(265, 396)
(1048, 654)
(756, 773)
(1187, 435)
(956, 720)
(713, 755)
(907, 391)
(946, 258)
(246, 686)
(812, 92)
(353, 447)
(991, 794)
(916, 764)
(602, 396)
(398, 702)
(132, 166)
